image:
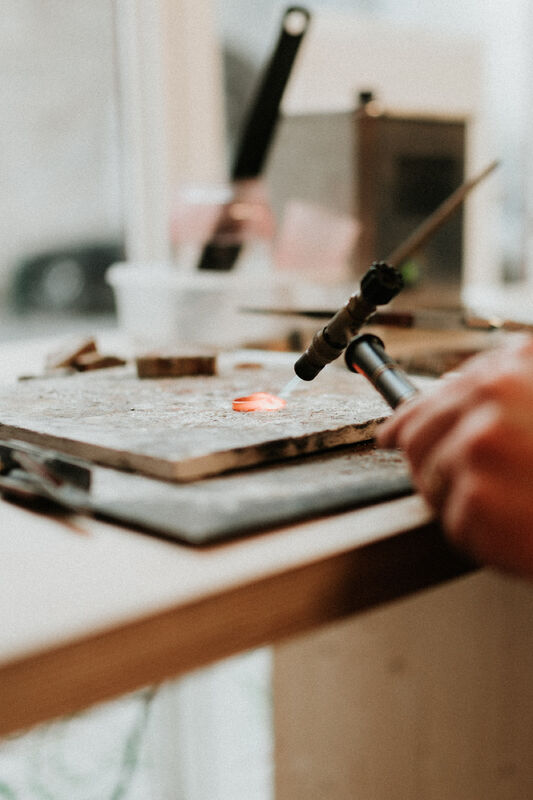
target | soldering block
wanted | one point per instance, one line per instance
(160, 365)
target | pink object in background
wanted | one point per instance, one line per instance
(237, 212)
(315, 242)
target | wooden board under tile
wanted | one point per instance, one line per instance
(184, 428)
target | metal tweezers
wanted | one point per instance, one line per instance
(29, 473)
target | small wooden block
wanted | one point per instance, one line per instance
(69, 355)
(161, 366)
(96, 360)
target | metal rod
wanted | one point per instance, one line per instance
(435, 220)
(379, 285)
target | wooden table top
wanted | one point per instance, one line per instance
(91, 610)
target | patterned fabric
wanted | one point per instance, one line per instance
(207, 736)
(96, 755)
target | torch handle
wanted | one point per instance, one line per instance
(366, 354)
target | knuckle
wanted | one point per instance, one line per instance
(474, 492)
(504, 383)
(493, 385)
(485, 438)
(407, 442)
(466, 505)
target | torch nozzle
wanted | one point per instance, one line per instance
(366, 354)
(379, 285)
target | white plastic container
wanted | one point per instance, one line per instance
(158, 306)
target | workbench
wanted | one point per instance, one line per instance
(92, 610)
(398, 667)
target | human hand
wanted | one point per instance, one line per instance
(469, 441)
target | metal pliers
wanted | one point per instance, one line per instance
(29, 473)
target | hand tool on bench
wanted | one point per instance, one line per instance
(211, 509)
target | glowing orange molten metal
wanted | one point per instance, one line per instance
(258, 401)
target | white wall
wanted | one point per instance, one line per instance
(58, 128)
(58, 137)
(502, 28)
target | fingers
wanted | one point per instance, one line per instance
(469, 442)
(489, 517)
(426, 415)
(420, 426)
(479, 478)
(487, 438)
(419, 422)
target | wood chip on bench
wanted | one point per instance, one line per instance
(159, 365)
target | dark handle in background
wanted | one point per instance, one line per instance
(258, 130)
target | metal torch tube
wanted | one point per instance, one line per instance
(366, 354)
(380, 284)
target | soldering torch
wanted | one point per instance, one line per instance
(366, 355)
(379, 285)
